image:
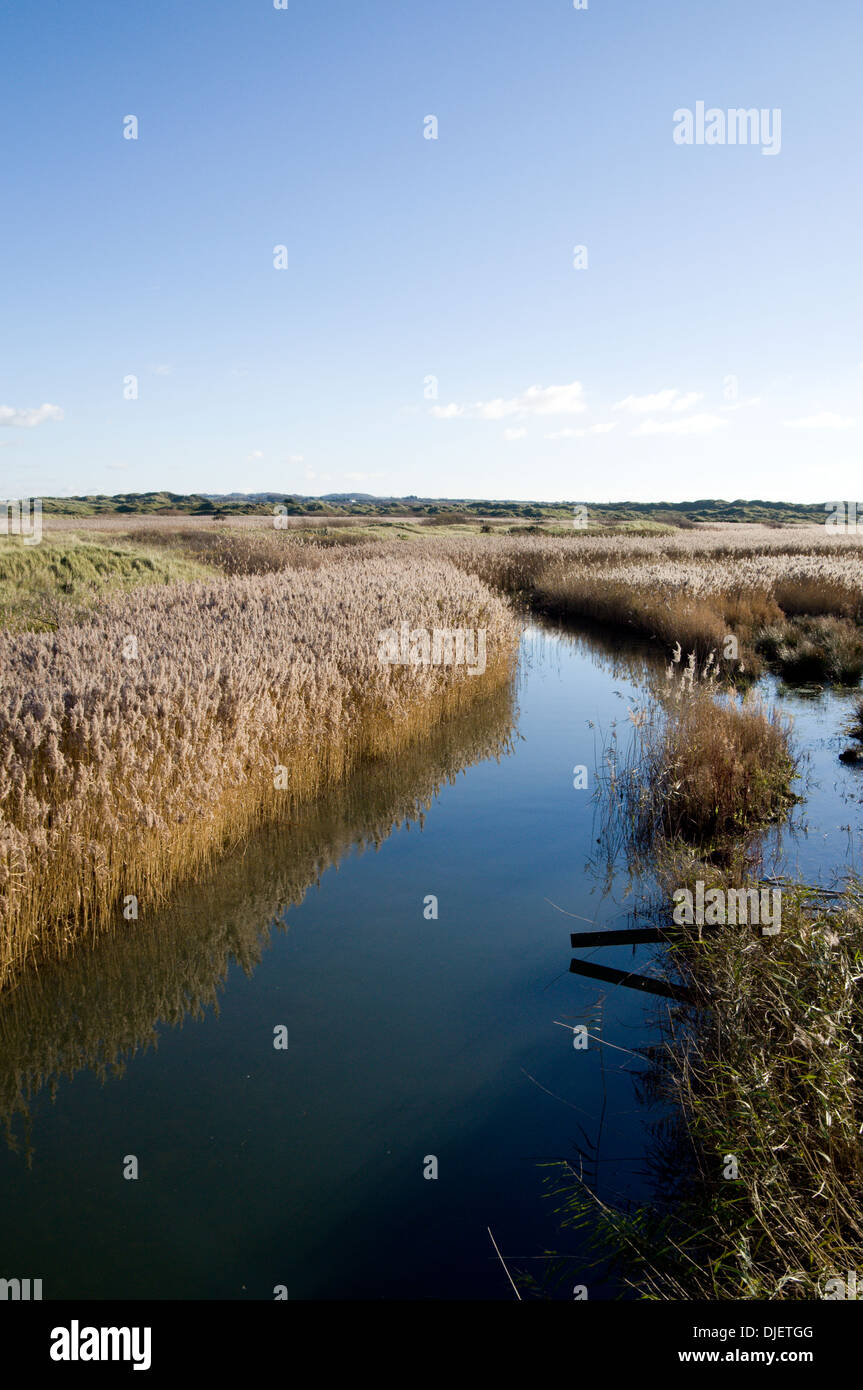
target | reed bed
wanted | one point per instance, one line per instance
(701, 767)
(808, 569)
(120, 774)
(136, 980)
(250, 550)
(705, 542)
(775, 1077)
(759, 1173)
(767, 1070)
(791, 598)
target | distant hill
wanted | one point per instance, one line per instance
(364, 504)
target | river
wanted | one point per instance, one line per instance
(410, 1037)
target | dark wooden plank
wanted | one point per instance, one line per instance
(618, 936)
(646, 983)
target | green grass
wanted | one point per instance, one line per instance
(63, 572)
(610, 514)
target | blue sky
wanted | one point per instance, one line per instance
(712, 346)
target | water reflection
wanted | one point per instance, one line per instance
(407, 1038)
(104, 1005)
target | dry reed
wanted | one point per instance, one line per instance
(698, 588)
(120, 774)
(173, 964)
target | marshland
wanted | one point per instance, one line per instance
(221, 813)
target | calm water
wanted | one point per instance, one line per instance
(408, 1037)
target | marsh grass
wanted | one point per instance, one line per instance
(264, 550)
(794, 600)
(701, 766)
(814, 649)
(42, 585)
(768, 1070)
(764, 1068)
(122, 776)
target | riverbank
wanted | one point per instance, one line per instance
(759, 1191)
(788, 599)
(141, 741)
(409, 1034)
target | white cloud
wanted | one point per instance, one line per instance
(690, 424)
(514, 434)
(26, 419)
(255, 454)
(536, 400)
(362, 477)
(670, 399)
(827, 420)
(161, 369)
(295, 458)
(580, 434)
